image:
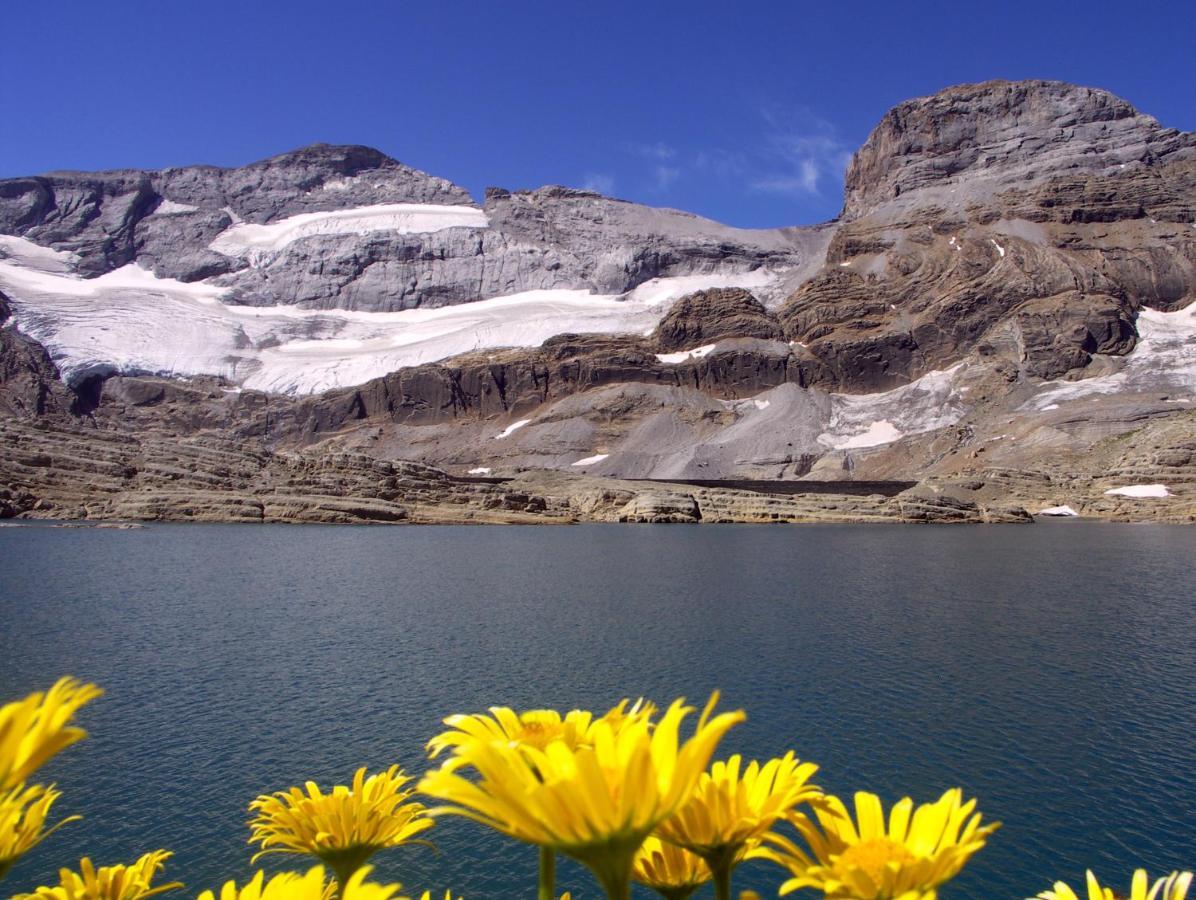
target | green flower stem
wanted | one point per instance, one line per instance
(344, 862)
(618, 887)
(547, 874)
(681, 893)
(722, 862)
(722, 884)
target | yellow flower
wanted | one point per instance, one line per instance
(919, 850)
(34, 729)
(730, 810)
(23, 812)
(311, 886)
(108, 882)
(596, 801)
(670, 871)
(1173, 887)
(536, 728)
(342, 828)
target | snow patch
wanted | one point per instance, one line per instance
(170, 208)
(1050, 406)
(659, 291)
(18, 252)
(682, 355)
(480, 470)
(881, 432)
(590, 460)
(869, 420)
(1140, 491)
(511, 429)
(255, 241)
(1000, 249)
(1058, 511)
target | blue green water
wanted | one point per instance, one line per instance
(1050, 670)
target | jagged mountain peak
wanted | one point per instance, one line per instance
(978, 138)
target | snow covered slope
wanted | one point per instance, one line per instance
(130, 322)
(255, 241)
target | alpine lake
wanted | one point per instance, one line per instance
(1048, 670)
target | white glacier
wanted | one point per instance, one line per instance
(243, 239)
(131, 322)
(858, 421)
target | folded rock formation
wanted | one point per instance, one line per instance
(1004, 312)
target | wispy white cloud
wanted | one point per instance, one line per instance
(792, 152)
(658, 150)
(800, 153)
(599, 183)
(665, 176)
(720, 162)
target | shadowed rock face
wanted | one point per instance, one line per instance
(708, 316)
(167, 219)
(1012, 233)
(29, 382)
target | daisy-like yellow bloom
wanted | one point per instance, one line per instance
(595, 802)
(672, 872)
(23, 812)
(311, 886)
(34, 729)
(1172, 887)
(917, 851)
(535, 728)
(344, 827)
(733, 807)
(107, 882)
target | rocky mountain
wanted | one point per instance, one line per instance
(1004, 312)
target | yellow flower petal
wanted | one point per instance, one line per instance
(918, 850)
(34, 729)
(667, 868)
(1171, 887)
(343, 827)
(121, 882)
(23, 812)
(595, 800)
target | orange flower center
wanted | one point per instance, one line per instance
(539, 733)
(872, 856)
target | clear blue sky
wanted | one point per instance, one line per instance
(743, 112)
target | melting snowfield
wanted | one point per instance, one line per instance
(131, 322)
(1163, 360)
(869, 420)
(253, 241)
